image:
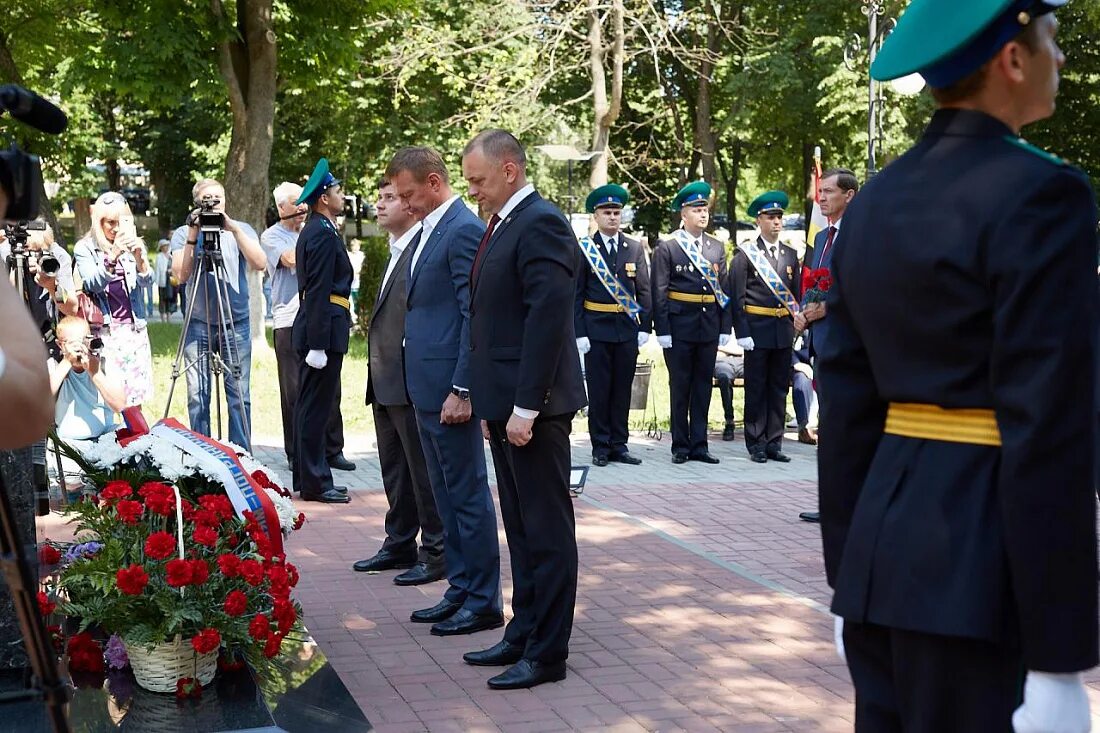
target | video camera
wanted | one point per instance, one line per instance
(21, 254)
(20, 172)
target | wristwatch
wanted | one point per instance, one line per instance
(462, 394)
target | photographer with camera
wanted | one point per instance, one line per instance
(111, 261)
(217, 327)
(44, 270)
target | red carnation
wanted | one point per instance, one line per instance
(235, 603)
(285, 614)
(188, 687)
(205, 536)
(206, 641)
(280, 580)
(188, 510)
(252, 572)
(129, 511)
(274, 643)
(160, 545)
(230, 662)
(200, 571)
(261, 478)
(85, 654)
(825, 283)
(206, 518)
(49, 555)
(299, 521)
(45, 605)
(260, 627)
(159, 498)
(132, 580)
(230, 565)
(218, 504)
(292, 574)
(115, 490)
(178, 573)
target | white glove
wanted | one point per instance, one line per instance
(665, 341)
(838, 637)
(1053, 703)
(317, 358)
(723, 339)
(584, 345)
(746, 343)
(642, 339)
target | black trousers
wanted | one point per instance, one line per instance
(726, 369)
(287, 363)
(767, 377)
(690, 375)
(537, 509)
(409, 497)
(911, 682)
(609, 372)
(317, 393)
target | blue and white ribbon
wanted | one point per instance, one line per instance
(607, 278)
(702, 264)
(771, 278)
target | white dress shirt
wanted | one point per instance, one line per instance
(431, 221)
(397, 246)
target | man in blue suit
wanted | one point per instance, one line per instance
(437, 373)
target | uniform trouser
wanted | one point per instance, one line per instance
(455, 457)
(408, 490)
(911, 682)
(690, 373)
(802, 395)
(609, 371)
(767, 377)
(287, 363)
(318, 389)
(537, 509)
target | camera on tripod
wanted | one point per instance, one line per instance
(21, 254)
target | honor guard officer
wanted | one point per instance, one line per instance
(691, 318)
(613, 319)
(321, 331)
(764, 278)
(957, 456)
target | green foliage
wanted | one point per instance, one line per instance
(376, 253)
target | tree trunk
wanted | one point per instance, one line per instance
(731, 178)
(705, 140)
(605, 108)
(248, 64)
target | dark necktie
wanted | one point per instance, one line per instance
(828, 243)
(493, 221)
(775, 252)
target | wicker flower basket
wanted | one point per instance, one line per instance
(159, 669)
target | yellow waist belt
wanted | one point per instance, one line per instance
(976, 426)
(690, 297)
(590, 305)
(759, 310)
(340, 300)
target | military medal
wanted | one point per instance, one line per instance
(631, 269)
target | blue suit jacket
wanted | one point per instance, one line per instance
(437, 319)
(819, 329)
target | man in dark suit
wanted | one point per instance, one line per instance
(691, 318)
(321, 332)
(763, 323)
(437, 371)
(412, 507)
(526, 385)
(958, 432)
(612, 321)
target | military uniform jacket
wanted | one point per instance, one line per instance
(324, 269)
(672, 270)
(631, 269)
(747, 287)
(967, 279)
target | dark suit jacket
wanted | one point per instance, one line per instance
(631, 269)
(324, 269)
(437, 324)
(523, 349)
(967, 279)
(748, 288)
(818, 330)
(385, 353)
(672, 270)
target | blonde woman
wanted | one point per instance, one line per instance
(112, 262)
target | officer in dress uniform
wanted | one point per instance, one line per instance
(958, 432)
(321, 331)
(764, 325)
(691, 318)
(609, 334)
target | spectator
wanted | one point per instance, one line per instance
(356, 254)
(111, 261)
(207, 334)
(729, 366)
(802, 391)
(164, 280)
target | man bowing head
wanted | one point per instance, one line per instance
(525, 383)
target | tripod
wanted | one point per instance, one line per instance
(220, 357)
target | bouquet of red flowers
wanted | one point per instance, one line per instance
(815, 286)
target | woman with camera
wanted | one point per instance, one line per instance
(111, 261)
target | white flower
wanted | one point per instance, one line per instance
(284, 507)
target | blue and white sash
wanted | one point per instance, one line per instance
(607, 278)
(771, 278)
(702, 264)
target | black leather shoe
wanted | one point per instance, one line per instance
(727, 433)
(384, 560)
(439, 612)
(679, 458)
(807, 436)
(599, 460)
(704, 458)
(420, 574)
(779, 456)
(340, 489)
(526, 673)
(758, 457)
(468, 622)
(812, 517)
(340, 463)
(498, 655)
(332, 496)
(626, 458)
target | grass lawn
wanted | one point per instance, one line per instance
(267, 420)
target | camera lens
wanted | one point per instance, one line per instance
(49, 265)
